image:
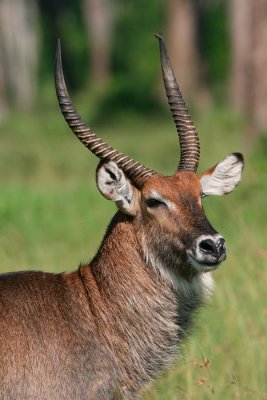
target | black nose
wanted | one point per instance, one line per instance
(213, 247)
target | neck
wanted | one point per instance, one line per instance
(123, 266)
(121, 270)
(144, 313)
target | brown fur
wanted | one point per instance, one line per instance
(106, 330)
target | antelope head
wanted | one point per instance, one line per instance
(166, 211)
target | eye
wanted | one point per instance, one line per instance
(203, 195)
(152, 202)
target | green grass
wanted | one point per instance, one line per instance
(52, 218)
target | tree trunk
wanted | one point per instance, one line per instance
(249, 60)
(181, 32)
(3, 94)
(241, 40)
(19, 45)
(259, 61)
(99, 22)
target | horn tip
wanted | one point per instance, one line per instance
(58, 50)
(159, 35)
(58, 71)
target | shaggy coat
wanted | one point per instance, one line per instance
(101, 332)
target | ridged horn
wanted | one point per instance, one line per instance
(188, 138)
(135, 171)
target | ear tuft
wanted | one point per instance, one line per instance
(114, 186)
(223, 177)
(239, 157)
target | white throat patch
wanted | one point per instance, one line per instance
(201, 285)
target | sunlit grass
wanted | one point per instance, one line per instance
(52, 218)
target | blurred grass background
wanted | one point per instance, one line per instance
(52, 216)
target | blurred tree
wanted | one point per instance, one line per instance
(64, 19)
(99, 16)
(249, 60)
(183, 45)
(3, 99)
(19, 20)
(135, 58)
(213, 41)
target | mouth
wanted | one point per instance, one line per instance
(204, 265)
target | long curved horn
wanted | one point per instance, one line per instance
(135, 171)
(188, 138)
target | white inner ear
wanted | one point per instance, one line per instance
(114, 186)
(224, 177)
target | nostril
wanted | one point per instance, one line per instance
(209, 250)
(208, 247)
(221, 246)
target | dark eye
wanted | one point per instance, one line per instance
(203, 195)
(153, 202)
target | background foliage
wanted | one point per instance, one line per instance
(52, 216)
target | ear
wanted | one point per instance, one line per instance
(223, 177)
(113, 185)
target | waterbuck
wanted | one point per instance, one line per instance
(107, 329)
